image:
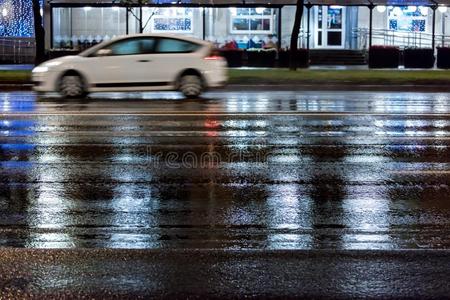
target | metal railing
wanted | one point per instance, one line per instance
(17, 50)
(402, 39)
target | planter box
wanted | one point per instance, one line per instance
(261, 58)
(384, 57)
(302, 58)
(234, 57)
(443, 58)
(422, 58)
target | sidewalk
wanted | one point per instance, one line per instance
(16, 67)
(326, 77)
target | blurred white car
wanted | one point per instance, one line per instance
(135, 63)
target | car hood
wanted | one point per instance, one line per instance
(61, 60)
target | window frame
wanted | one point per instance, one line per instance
(250, 17)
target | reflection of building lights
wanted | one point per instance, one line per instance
(442, 9)
(6, 106)
(41, 12)
(381, 8)
(212, 126)
(260, 10)
(4, 12)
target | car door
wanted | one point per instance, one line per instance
(125, 63)
(171, 56)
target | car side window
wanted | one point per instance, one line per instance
(148, 45)
(128, 47)
(132, 47)
(167, 45)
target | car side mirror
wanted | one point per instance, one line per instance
(104, 52)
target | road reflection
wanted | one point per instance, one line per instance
(218, 178)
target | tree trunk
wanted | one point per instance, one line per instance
(39, 33)
(141, 21)
(294, 36)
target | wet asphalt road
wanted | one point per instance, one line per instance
(270, 170)
(186, 274)
(282, 171)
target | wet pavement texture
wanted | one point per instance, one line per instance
(234, 170)
(187, 274)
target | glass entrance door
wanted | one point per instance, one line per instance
(330, 26)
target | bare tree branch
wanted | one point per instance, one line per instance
(149, 18)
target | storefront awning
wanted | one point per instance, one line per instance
(253, 2)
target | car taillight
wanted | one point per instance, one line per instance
(213, 55)
(213, 58)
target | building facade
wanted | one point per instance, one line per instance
(74, 24)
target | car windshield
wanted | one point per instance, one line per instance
(92, 50)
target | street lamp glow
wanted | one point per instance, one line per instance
(442, 9)
(381, 8)
(260, 10)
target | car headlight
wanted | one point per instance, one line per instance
(40, 70)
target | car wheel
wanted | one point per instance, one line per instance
(191, 86)
(72, 86)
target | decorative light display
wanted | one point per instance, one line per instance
(408, 18)
(173, 19)
(423, 10)
(16, 18)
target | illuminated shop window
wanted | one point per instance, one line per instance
(177, 20)
(83, 27)
(251, 20)
(408, 18)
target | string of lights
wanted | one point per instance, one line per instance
(16, 18)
